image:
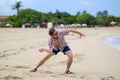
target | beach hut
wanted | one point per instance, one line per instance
(27, 25)
(43, 24)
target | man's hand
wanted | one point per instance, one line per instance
(81, 35)
(42, 50)
(45, 50)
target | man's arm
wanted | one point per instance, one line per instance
(77, 32)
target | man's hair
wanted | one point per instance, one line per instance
(51, 31)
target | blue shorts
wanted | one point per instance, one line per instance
(66, 48)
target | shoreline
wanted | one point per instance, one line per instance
(93, 58)
(113, 42)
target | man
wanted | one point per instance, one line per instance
(56, 44)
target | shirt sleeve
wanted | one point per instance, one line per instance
(50, 43)
(65, 32)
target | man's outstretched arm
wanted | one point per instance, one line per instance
(77, 32)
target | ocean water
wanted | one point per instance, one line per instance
(114, 42)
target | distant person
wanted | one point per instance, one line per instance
(56, 44)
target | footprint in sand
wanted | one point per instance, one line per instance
(85, 77)
(48, 72)
(10, 77)
(63, 75)
(21, 67)
(108, 78)
(79, 57)
(63, 62)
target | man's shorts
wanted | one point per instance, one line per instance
(66, 48)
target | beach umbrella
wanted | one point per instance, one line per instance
(8, 25)
(78, 25)
(62, 25)
(113, 23)
(84, 25)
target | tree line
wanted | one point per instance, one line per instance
(31, 16)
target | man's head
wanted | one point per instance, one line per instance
(53, 33)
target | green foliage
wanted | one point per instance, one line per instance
(13, 20)
(100, 21)
(30, 16)
(85, 18)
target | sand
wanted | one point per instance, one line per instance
(93, 58)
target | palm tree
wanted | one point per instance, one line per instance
(105, 13)
(78, 14)
(17, 6)
(84, 12)
(99, 14)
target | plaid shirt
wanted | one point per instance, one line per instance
(60, 42)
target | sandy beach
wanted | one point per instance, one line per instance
(93, 58)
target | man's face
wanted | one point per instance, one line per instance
(55, 34)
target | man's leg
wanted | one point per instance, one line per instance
(43, 61)
(70, 60)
